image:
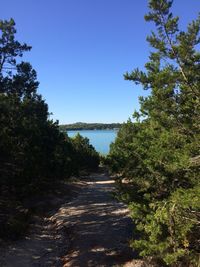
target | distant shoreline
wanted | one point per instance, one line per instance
(90, 126)
(71, 130)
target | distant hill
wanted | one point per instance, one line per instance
(89, 126)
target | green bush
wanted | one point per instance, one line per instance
(85, 156)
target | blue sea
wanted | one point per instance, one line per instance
(100, 139)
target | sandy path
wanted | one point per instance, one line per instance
(100, 226)
(91, 230)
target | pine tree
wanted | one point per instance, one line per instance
(34, 154)
(160, 156)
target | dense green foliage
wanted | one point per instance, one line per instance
(34, 154)
(159, 154)
(86, 156)
(89, 126)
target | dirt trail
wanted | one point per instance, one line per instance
(93, 229)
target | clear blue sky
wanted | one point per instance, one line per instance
(81, 48)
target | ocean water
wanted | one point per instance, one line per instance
(100, 139)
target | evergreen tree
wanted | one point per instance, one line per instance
(34, 154)
(159, 154)
(29, 141)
